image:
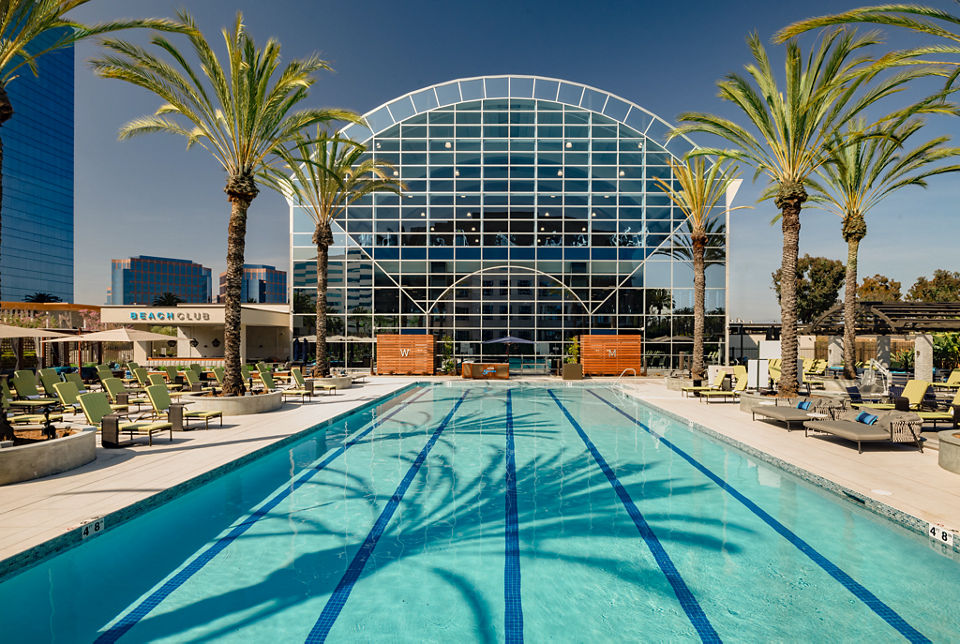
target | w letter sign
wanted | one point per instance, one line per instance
(404, 353)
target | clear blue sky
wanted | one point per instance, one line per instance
(150, 196)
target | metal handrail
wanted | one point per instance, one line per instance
(622, 373)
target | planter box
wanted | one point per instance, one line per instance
(26, 462)
(572, 371)
(235, 405)
(677, 384)
(949, 456)
(340, 382)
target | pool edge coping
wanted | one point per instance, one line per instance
(37, 554)
(895, 515)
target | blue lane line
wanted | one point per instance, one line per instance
(684, 595)
(513, 613)
(872, 601)
(340, 595)
(142, 609)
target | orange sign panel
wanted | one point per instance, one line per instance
(609, 355)
(410, 355)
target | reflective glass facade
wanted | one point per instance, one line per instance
(139, 280)
(36, 255)
(262, 284)
(531, 210)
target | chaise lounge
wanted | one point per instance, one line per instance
(863, 427)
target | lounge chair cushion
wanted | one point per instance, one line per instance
(851, 430)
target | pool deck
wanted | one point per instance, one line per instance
(898, 476)
(35, 512)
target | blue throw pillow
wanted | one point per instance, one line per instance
(804, 405)
(866, 419)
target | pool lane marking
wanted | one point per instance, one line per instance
(513, 613)
(872, 601)
(684, 595)
(340, 595)
(144, 608)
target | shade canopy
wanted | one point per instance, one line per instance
(509, 340)
(117, 335)
(10, 331)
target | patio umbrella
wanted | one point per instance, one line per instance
(117, 335)
(9, 331)
(509, 340)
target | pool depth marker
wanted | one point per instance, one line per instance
(342, 592)
(873, 602)
(684, 595)
(513, 613)
(142, 609)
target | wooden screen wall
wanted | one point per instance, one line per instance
(405, 354)
(609, 355)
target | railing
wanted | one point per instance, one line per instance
(623, 373)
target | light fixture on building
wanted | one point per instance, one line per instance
(569, 144)
(622, 173)
(546, 214)
(541, 228)
(473, 229)
(584, 229)
(448, 145)
(593, 214)
(456, 173)
(396, 174)
(423, 214)
(559, 173)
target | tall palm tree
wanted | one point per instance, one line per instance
(796, 124)
(167, 299)
(42, 298)
(861, 172)
(323, 175)
(239, 112)
(700, 185)
(24, 23)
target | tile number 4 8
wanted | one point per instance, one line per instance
(940, 535)
(92, 528)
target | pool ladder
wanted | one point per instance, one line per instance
(623, 373)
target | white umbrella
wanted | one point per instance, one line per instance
(9, 331)
(117, 335)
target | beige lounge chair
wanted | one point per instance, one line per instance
(790, 413)
(913, 391)
(891, 426)
(716, 385)
(740, 372)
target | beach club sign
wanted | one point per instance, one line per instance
(169, 316)
(173, 316)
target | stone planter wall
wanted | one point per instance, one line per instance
(340, 382)
(949, 457)
(26, 462)
(235, 405)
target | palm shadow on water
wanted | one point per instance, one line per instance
(562, 495)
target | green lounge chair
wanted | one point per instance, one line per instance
(193, 379)
(48, 378)
(741, 385)
(114, 387)
(953, 381)
(69, 398)
(156, 379)
(913, 391)
(218, 374)
(26, 385)
(947, 415)
(74, 377)
(132, 366)
(160, 401)
(172, 373)
(300, 386)
(195, 368)
(95, 406)
(716, 385)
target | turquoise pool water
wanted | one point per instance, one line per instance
(495, 513)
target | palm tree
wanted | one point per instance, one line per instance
(323, 175)
(861, 172)
(24, 22)
(167, 299)
(698, 192)
(239, 113)
(42, 298)
(796, 124)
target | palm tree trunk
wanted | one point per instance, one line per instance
(699, 242)
(850, 310)
(789, 200)
(322, 237)
(241, 191)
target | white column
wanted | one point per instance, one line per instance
(835, 351)
(141, 351)
(923, 357)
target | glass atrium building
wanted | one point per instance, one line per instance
(531, 209)
(36, 255)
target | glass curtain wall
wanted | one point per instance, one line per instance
(531, 210)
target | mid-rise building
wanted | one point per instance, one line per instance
(262, 284)
(36, 253)
(142, 279)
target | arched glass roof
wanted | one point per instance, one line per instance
(511, 86)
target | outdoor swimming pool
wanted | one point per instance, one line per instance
(494, 512)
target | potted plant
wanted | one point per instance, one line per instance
(447, 364)
(572, 369)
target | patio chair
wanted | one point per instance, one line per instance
(794, 410)
(862, 427)
(113, 387)
(131, 366)
(70, 398)
(195, 368)
(193, 380)
(25, 384)
(218, 374)
(157, 379)
(160, 401)
(946, 415)
(740, 372)
(75, 378)
(716, 385)
(914, 392)
(48, 378)
(952, 382)
(95, 406)
(300, 385)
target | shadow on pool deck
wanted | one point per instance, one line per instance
(431, 521)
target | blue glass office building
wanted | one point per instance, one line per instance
(531, 210)
(139, 280)
(36, 254)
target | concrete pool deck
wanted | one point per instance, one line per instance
(36, 512)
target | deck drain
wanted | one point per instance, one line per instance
(882, 492)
